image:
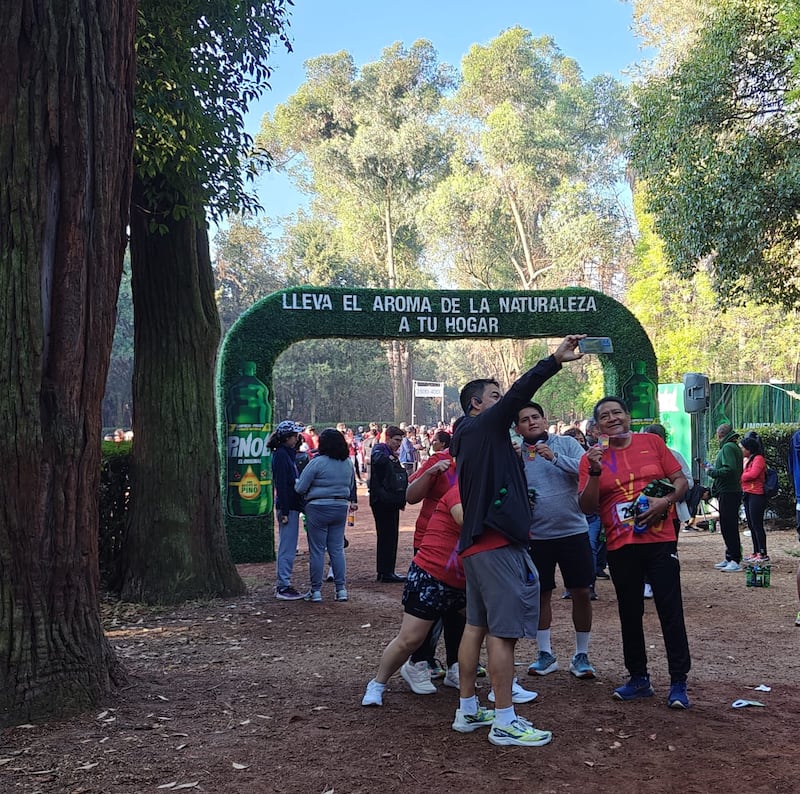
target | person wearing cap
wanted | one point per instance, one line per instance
(283, 443)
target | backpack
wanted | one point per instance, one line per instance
(771, 487)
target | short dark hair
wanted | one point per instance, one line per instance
(752, 443)
(657, 430)
(609, 399)
(394, 430)
(333, 444)
(475, 388)
(535, 406)
(443, 437)
(577, 434)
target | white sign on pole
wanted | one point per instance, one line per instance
(428, 390)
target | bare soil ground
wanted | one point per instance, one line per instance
(258, 695)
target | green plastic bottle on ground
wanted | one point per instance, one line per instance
(248, 417)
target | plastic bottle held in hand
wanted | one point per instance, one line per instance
(351, 519)
(640, 506)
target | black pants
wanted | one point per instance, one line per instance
(754, 506)
(387, 527)
(453, 624)
(729, 524)
(628, 567)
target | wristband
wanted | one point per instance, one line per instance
(595, 473)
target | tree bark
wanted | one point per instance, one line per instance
(66, 103)
(175, 547)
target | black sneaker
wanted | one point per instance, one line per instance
(602, 575)
(288, 593)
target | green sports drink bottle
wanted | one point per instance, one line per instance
(248, 416)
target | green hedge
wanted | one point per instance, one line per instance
(113, 498)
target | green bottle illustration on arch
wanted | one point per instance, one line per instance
(248, 416)
(641, 395)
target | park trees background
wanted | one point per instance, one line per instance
(199, 65)
(717, 145)
(365, 143)
(65, 180)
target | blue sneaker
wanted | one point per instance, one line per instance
(581, 667)
(638, 686)
(677, 696)
(545, 663)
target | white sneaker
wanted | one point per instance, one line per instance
(374, 694)
(519, 732)
(720, 565)
(466, 723)
(451, 679)
(518, 693)
(731, 566)
(418, 677)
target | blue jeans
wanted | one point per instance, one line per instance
(325, 525)
(287, 546)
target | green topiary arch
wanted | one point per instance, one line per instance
(276, 322)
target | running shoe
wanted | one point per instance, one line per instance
(638, 686)
(546, 663)
(580, 667)
(466, 723)
(519, 732)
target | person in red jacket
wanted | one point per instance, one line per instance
(754, 472)
(429, 483)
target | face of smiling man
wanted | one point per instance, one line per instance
(613, 419)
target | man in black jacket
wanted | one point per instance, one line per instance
(502, 582)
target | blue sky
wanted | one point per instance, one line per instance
(596, 33)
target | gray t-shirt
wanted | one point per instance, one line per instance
(556, 513)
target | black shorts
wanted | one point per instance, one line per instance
(572, 554)
(427, 598)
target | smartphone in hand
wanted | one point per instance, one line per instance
(596, 344)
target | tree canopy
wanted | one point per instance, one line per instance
(717, 144)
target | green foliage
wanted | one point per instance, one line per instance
(245, 267)
(530, 200)
(324, 381)
(690, 333)
(198, 66)
(366, 143)
(716, 140)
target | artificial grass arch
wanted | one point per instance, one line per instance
(276, 322)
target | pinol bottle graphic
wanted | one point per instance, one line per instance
(641, 395)
(248, 416)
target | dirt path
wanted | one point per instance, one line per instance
(257, 695)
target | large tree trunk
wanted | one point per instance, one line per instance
(175, 546)
(66, 100)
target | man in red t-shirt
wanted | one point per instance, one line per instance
(612, 475)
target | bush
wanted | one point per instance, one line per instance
(777, 440)
(113, 498)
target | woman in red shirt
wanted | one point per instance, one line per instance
(755, 503)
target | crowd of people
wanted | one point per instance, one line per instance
(506, 498)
